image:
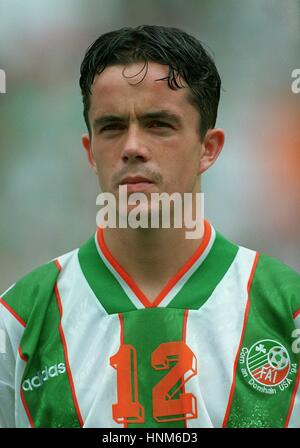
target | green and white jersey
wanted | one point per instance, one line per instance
(219, 346)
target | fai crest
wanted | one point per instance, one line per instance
(267, 366)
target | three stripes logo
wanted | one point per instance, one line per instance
(267, 366)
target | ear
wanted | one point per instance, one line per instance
(86, 143)
(211, 147)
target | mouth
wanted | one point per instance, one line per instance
(136, 183)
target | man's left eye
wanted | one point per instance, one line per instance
(159, 124)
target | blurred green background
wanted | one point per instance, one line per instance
(48, 194)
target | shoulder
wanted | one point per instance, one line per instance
(277, 281)
(33, 290)
(269, 270)
(273, 286)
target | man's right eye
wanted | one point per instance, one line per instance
(112, 127)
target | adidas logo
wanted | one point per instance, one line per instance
(42, 376)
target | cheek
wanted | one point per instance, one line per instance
(102, 155)
(104, 169)
(182, 173)
(186, 163)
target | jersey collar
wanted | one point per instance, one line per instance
(172, 287)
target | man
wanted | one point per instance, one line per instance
(145, 327)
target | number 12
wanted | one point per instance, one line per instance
(165, 407)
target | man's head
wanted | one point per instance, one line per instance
(150, 98)
(188, 64)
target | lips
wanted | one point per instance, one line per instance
(135, 180)
(136, 183)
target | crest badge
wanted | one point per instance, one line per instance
(267, 366)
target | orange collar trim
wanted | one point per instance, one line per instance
(173, 280)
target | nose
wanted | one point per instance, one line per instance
(135, 146)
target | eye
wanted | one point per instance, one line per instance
(112, 127)
(159, 124)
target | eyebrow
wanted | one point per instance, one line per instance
(155, 115)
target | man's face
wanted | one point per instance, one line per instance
(143, 129)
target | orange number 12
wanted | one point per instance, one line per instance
(165, 406)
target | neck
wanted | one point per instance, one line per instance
(151, 256)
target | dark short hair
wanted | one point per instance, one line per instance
(183, 53)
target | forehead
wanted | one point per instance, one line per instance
(135, 88)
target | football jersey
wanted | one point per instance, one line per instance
(218, 347)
